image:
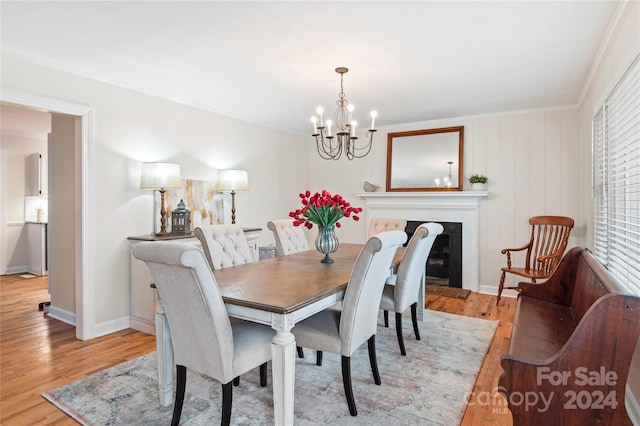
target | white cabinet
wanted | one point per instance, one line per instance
(143, 297)
(38, 183)
(37, 239)
(252, 235)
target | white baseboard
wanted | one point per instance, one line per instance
(62, 315)
(143, 325)
(36, 270)
(493, 290)
(101, 329)
(632, 405)
(16, 269)
(112, 326)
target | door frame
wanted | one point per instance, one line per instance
(84, 248)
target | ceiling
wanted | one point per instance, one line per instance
(272, 63)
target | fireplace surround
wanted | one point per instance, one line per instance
(455, 206)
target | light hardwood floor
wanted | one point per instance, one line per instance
(38, 353)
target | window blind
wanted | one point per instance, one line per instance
(616, 180)
(599, 186)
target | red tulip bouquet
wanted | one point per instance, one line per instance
(323, 209)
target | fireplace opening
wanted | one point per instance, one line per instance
(444, 264)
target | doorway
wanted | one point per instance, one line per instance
(82, 255)
(24, 189)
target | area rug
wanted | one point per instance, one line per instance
(427, 387)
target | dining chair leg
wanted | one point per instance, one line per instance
(386, 318)
(181, 382)
(500, 287)
(399, 333)
(300, 352)
(227, 400)
(373, 360)
(263, 375)
(236, 381)
(414, 319)
(346, 382)
(318, 357)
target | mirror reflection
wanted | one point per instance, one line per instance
(425, 160)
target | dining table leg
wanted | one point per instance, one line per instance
(283, 351)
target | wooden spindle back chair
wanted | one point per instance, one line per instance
(548, 241)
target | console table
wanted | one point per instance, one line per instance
(143, 297)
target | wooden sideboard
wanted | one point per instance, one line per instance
(143, 297)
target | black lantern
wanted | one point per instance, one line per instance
(181, 220)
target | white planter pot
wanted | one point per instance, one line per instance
(478, 186)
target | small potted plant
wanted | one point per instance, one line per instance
(478, 182)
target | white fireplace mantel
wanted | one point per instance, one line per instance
(440, 206)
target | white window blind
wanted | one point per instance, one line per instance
(599, 186)
(616, 180)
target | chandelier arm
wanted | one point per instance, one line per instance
(326, 150)
(337, 149)
(323, 155)
(321, 152)
(366, 147)
(334, 151)
(349, 149)
(320, 142)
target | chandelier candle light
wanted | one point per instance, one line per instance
(325, 210)
(345, 132)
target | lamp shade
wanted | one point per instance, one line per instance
(233, 180)
(160, 175)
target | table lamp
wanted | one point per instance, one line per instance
(233, 181)
(160, 176)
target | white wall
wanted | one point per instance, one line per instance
(130, 128)
(617, 54)
(530, 158)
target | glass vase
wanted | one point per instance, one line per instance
(327, 242)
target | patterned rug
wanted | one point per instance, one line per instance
(427, 387)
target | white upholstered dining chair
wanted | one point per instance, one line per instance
(342, 331)
(224, 245)
(203, 337)
(289, 239)
(383, 224)
(403, 288)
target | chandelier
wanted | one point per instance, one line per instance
(330, 147)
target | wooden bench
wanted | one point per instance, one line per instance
(571, 347)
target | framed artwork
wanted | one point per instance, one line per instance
(201, 199)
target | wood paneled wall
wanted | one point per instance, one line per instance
(531, 160)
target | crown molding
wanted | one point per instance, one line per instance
(620, 14)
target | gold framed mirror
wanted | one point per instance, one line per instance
(425, 160)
